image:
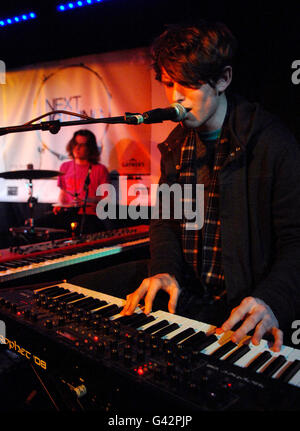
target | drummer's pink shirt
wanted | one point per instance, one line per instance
(74, 178)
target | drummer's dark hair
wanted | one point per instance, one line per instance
(93, 150)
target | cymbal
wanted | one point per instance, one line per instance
(30, 174)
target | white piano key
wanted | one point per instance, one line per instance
(252, 354)
(294, 355)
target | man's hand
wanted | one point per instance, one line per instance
(256, 315)
(148, 290)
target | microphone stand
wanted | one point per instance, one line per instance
(86, 189)
(54, 126)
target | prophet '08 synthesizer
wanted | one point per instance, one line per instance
(78, 340)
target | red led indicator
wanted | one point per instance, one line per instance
(140, 371)
(96, 338)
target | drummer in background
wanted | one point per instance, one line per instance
(82, 176)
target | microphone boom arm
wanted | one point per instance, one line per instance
(175, 112)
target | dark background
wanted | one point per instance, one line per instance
(267, 32)
(268, 35)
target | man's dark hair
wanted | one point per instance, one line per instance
(194, 54)
(93, 151)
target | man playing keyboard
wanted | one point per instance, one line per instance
(242, 268)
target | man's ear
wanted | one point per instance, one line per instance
(225, 80)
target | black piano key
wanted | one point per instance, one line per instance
(69, 297)
(113, 312)
(136, 320)
(12, 264)
(166, 330)
(125, 320)
(193, 340)
(182, 335)
(84, 300)
(90, 305)
(259, 361)
(48, 289)
(274, 366)
(290, 371)
(221, 351)
(143, 321)
(98, 303)
(207, 341)
(110, 310)
(17, 263)
(53, 290)
(56, 292)
(153, 328)
(36, 259)
(237, 354)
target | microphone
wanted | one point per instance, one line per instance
(176, 112)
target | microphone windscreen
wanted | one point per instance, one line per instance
(181, 112)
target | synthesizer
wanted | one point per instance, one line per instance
(79, 337)
(39, 258)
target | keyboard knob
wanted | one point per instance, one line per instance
(140, 357)
(114, 354)
(48, 324)
(127, 359)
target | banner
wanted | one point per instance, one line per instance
(99, 86)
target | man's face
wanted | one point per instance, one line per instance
(80, 150)
(202, 102)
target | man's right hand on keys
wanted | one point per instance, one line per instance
(148, 290)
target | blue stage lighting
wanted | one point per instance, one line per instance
(80, 3)
(17, 19)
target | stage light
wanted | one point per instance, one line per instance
(17, 19)
(80, 3)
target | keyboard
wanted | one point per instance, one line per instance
(37, 259)
(182, 360)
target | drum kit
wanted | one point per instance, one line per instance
(31, 174)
